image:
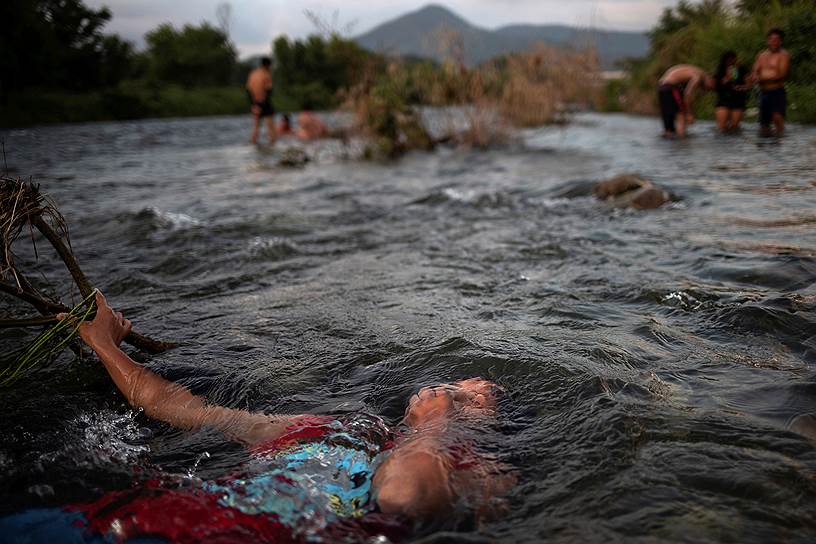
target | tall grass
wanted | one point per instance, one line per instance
(543, 83)
(47, 344)
(521, 90)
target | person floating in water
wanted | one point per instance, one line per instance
(770, 71)
(259, 92)
(314, 478)
(732, 93)
(676, 92)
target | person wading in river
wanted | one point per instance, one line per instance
(259, 92)
(328, 477)
(732, 94)
(770, 71)
(676, 92)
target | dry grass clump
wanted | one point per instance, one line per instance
(19, 203)
(638, 101)
(542, 84)
(484, 124)
(523, 90)
(384, 116)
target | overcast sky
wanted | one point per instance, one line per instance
(255, 23)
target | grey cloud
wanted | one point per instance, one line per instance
(256, 22)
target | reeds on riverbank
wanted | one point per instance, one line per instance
(542, 84)
(529, 89)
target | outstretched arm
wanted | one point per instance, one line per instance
(163, 399)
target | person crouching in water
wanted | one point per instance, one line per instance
(259, 92)
(677, 90)
(732, 93)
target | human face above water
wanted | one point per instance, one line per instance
(471, 397)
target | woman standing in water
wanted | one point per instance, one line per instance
(732, 93)
(315, 478)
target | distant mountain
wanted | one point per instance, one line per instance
(418, 34)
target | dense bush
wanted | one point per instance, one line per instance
(131, 100)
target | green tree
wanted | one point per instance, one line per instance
(58, 43)
(312, 71)
(763, 6)
(193, 56)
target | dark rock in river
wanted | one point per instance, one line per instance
(293, 157)
(631, 191)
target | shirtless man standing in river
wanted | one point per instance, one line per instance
(259, 92)
(770, 72)
(676, 91)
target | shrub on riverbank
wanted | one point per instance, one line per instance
(127, 101)
(542, 84)
(521, 90)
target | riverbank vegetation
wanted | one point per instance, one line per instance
(527, 89)
(698, 33)
(59, 66)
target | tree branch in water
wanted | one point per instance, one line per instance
(21, 204)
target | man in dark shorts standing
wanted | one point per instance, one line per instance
(770, 72)
(676, 92)
(259, 92)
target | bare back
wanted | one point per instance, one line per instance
(682, 74)
(259, 83)
(691, 77)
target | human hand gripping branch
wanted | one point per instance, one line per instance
(162, 399)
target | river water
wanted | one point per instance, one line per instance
(654, 360)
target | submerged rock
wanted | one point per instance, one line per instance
(631, 191)
(293, 157)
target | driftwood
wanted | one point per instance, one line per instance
(24, 208)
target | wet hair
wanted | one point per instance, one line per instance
(725, 59)
(266, 61)
(778, 31)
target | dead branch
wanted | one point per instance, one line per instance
(21, 204)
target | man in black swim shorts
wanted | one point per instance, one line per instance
(676, 91)
(259, 92)
(770, 72)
